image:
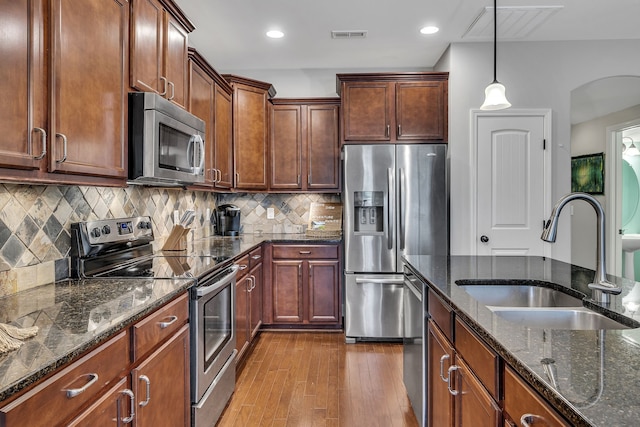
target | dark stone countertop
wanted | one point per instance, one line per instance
(598, 372)
(77, 315)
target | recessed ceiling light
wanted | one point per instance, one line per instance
(429, 30)
(275, 34)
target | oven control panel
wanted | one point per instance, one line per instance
(118, 230)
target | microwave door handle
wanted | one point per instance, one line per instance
(200, 141)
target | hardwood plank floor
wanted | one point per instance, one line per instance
(315, 379)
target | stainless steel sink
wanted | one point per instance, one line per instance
(520, 296)
(557, 318)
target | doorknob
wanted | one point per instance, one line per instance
(484, 239)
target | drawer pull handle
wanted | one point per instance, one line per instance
(243, 266)
(148, 383)
(172, 320)
(528, 420)
(451, 369)
(256, 257)
(442, 359)
(44, 144)
(73, 392)
(132, 410)
(304, 252)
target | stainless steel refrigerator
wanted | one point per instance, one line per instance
(395, 203)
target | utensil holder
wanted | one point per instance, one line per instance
(177, 240)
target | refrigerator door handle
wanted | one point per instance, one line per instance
(401, 210)
(388, 281)
(390, 208)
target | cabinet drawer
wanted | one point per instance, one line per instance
(483, 362)
(305, 251)
(61, 396)
(520, 399)
(243, 269)
(255, 257)
(155, 328)
(441, 315)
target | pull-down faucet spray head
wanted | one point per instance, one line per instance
(601, 287)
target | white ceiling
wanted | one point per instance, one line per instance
(231, 33)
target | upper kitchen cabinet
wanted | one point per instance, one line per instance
(159, 49)
(393, 107)
(304, 145)
(65, 68)
(250, 131)
(210, 99)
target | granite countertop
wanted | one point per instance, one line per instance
(77, 315)
(597, 371)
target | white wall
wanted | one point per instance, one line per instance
(536, 75)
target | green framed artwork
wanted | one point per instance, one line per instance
(587, 173)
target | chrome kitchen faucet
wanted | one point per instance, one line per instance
(601, 287)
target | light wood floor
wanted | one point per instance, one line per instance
(315, 379)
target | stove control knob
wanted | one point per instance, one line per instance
(95, 232)
(106, 229)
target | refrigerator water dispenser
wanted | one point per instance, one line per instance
(369, 212)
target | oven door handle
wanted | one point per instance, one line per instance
(205, 290)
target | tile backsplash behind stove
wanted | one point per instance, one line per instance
(35, 220)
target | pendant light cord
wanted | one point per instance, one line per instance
(495, 41)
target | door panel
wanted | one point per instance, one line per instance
(369, 172)
(511, 179)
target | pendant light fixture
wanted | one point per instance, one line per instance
(631, 150)
(494, 94)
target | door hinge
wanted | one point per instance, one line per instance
(544, 144)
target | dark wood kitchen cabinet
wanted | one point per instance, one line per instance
(56, 132)
(463, 376)
(210, 100)
(250, 132)
(249, 280)
(304, 145)
(305, 286)
(159, 49)
(145, 367)
(393, 107)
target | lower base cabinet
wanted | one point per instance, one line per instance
(305, 286)
(140, 376)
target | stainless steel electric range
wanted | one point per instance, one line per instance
(122, 248)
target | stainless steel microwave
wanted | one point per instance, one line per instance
(166, 142)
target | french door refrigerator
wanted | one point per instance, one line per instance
(395, 203)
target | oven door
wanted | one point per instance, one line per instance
(212, 329)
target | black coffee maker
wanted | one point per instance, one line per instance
(227, 220)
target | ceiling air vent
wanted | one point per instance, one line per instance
(514, 22)
(349, 34)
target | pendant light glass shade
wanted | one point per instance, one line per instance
(495, 98)
(494, 95)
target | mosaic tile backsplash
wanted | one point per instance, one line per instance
(35, 221)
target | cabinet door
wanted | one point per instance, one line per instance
(22, 80)
(201, 104)
(286, 147)
(439, 359)
(161, 384)
(175, 53)
(223, 155)
(255, 301)
(323, 292)
(473, 404)
(147, 20)
(323, 148)
(242, 314)
(250, 137)
(367, 111)
(112, 409)
(420, 111)
(286, 286)
(88, 89)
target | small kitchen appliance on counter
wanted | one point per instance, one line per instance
(227, 220)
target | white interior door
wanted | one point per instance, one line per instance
(512, 179)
